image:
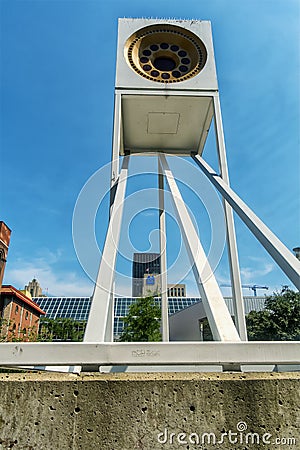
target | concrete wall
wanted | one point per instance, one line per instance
(149, 411)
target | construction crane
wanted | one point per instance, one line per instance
(254, 287)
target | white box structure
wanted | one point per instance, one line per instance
(169, 59)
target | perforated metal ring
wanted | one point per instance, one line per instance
(165, 53)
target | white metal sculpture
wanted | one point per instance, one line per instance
(166, 97)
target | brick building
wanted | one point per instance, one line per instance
(19, 314)
(4, 244)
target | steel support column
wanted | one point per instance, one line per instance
(220, 321)
(163, 256)
(117, 139)
(100, 322)
(237, 294)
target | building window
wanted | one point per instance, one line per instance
(16, 309)
(26, 315)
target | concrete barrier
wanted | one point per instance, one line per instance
(149, 411)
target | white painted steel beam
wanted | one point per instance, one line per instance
(219, 318)
(163, 256)
(277, 250)
(237, 293)
(100, 322)
(117, 144)
(166, 91)
(156, 353)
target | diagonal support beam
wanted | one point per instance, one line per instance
(219, 318)
(236, 286)
(100, 322)
(277, 250)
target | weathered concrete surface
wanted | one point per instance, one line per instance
(129, 411)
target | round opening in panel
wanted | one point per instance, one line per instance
(164, 63)
(165, 53)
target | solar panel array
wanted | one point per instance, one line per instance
(78, 308)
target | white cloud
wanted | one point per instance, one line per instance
(251, 274)
(54, 282)
(57, 282)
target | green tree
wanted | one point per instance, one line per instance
(279, 321)
(61, 329)
(142, 324)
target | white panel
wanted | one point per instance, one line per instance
(163, 123)
(171, 124)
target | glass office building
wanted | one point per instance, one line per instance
(142, 264)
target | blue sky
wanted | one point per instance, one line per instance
(57, 85)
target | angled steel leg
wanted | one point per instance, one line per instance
(163, 257)
(277, 250)
(219, 318)
(100, 322)
(237, 294)
(113, 186)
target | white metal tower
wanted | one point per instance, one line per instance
(166, 97)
